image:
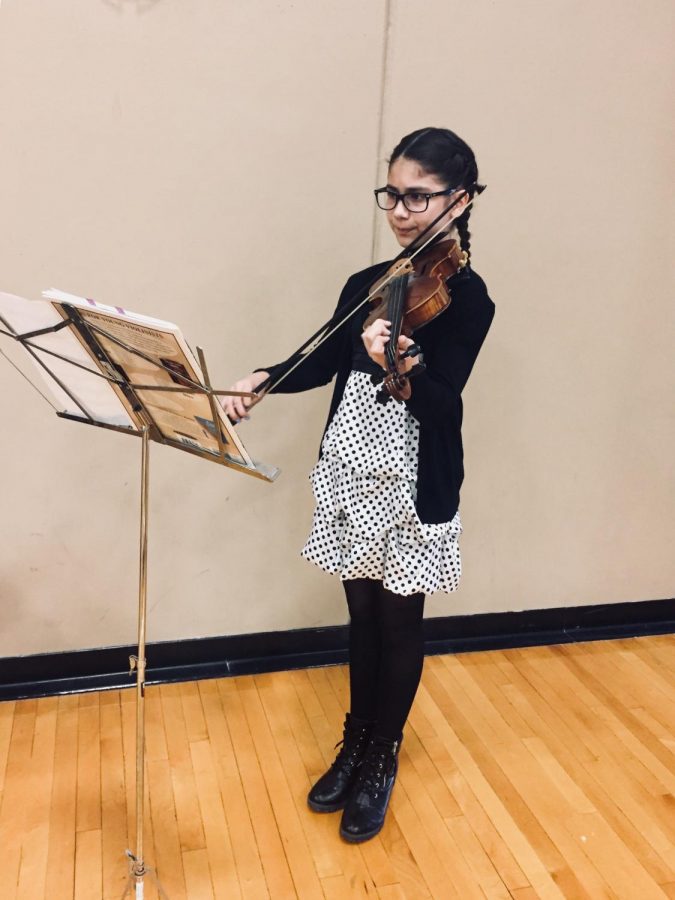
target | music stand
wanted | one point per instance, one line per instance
(108, 367)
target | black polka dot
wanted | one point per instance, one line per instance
(365, 523)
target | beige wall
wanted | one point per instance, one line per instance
(212, 163)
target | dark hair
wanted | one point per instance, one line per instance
(441, 152)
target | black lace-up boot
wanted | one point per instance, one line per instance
(331, 790)
(366, 808)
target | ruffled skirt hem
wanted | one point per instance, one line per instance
(366, 526)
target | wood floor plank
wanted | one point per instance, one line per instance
(659, 652)
(6, 723)
(115, 839)
(540, 772)
(36, 802)
(636, 818)
(60, 871)
(391, 892)
(486, 756)
(155, 734)
(167, 858)
(323, 851)
(423, 755)
(242, 836)
(190, 826)
(128, 714)
(193, 714)
(218, 843)
(310, 702)
(406, 868)
(491, 841)
(197, 875)
(88, 867)
(632, 680)
(519, 844)
(297, 850)
(453, 869)
(611, 857)
(493, 726)
(653, 669)
(577, 875)
(274, 862)
(487, 835)
(553, 681)
(601, 777)
(482, 867)
(312, 758)
(335, 887)
(605, 799)
(89, 764)
(12, 825)
(638, 740)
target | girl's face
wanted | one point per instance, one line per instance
(407, 177)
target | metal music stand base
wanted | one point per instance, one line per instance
(137, 868)
(135, 882)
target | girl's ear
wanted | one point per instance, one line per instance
(459, 208)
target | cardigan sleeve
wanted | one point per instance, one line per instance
(449, 357)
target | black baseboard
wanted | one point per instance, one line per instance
(46, 674)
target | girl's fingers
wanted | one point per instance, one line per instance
(237, 407)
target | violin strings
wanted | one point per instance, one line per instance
(396, 316)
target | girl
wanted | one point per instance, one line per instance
(388, 478)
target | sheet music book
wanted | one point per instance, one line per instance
(138, 350)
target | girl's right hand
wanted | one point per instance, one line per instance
(237, 407)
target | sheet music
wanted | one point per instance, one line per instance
(94, 393)
(137, 354)
(164, 358)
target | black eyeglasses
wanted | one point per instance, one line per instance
(414, 201)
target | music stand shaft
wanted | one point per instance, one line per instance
(139, 864)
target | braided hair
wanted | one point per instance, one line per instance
(441, 152)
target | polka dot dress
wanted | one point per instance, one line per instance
(365, 523)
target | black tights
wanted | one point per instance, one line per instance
(386, 654)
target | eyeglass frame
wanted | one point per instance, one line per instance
(400, 198)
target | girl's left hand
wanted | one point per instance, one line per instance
(376, 337)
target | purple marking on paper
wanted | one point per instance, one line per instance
(89, 300)
(120, 310)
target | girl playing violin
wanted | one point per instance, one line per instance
(388, 478)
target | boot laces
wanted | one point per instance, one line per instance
(351, 747)
(376, 768)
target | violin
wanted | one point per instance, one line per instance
(410, 294)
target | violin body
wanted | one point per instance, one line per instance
(410, 295)
(426, 293)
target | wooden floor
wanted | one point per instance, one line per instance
(543, 772)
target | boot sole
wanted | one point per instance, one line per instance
(359, 838)
(321, 808)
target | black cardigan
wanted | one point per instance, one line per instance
(450, 344)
